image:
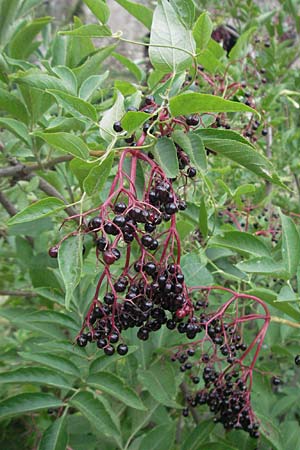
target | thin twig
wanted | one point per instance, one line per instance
(285, 322)
(7, 205)
(18, 293)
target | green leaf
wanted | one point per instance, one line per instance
(133, 120)
(199, 436)
(160, 437)
(270, 297)
(55, 437)
(167, 30)
(194, 270)
(20, 45)
(70, 265)
(290, 245)
(202, 30)
(240, 49)
(160, 383)
(55, 362)
(67, 76)
(97, 177)
(72, 103)
(99, 8)
(192, 103)
(185, 11)
(91, 30)
(91, 85)
(96, 413)
(130, 65)
(102, 362)
(140, 12)
(40, 80)
(244, 155)
(13, 106)
(210, 62)
(116, 387)
(192, 144)
(23, 403)
(92, 64)
(242, 242)
(166, 155)
(263, 265)
(66, 142)
(110, 116)
(32, 375)
(203, 225)
(17, 128)
(37, 210)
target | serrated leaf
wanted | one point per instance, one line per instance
(32, 375)
(23, 403)
(66, 142)
(166, 155)
(194, 270)
(17, 128)
(96, 413)
(92, 64)
(168, 31)
(242, 242)
(140, 12)
(130, 65)
(111, 116)
(91, 30)
(202, 30)
(74, 104)
(55, 362)
(116, 387)
(20, 45)
(160, 383)
(290, 245)
(192, 144)
(133, 120)
(192, 103)
(13, 106)
(91, 85)
(39, 209)
(97, 177)
(160, 437)
(199, 435)
(263, 265)
(70, 265)
(99, 8)
(55, 437)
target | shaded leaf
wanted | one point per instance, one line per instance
(98, 175)
(140, 12)
(91, 85)
(160, 437)
(37, 375)
(202, 30)
(99, 8)
(37, 210)
(290, 245)
(23, 403)
(55, 437)
(166, 155)
(72, 103)
(56, 362)
(20, 46)
(66, 142)
(91, 30)
(242, 242)
(17, 128)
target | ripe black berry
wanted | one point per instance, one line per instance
(82, 341)
(101, 244)
(192, 120)
(171, 208)
(120, 207)
(122, 349)
(297, 360)
(191, 172)
(276, 381)
(53, 252)
(120, 221)
(109, 298)
(94, 223)
(117, 127)
(147, 240)
(149, 268)
(264, 132)
(149, 99)
(110, 256)
(109, 350)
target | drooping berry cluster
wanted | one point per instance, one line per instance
(221, 361)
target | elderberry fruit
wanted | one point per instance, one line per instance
(110, 256)
(149, 100)
(82, 341)
(95, 223)
(192, 120)
(117, 127)
(276, 381)
(53, 252)
(297, 360)
(120, 207)
(101, 244)
(264, 132)
(119, 221)
(147, 240)
(109, 298)
(171, 208)
(122, 349)
(191, 173)
(109, 350)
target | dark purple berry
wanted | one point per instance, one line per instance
(191, 172)
(122, 349)
(53, 252)
(117, 127)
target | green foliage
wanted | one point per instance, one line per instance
(59, 100)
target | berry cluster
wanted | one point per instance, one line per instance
(142, 285)
(222, 364)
